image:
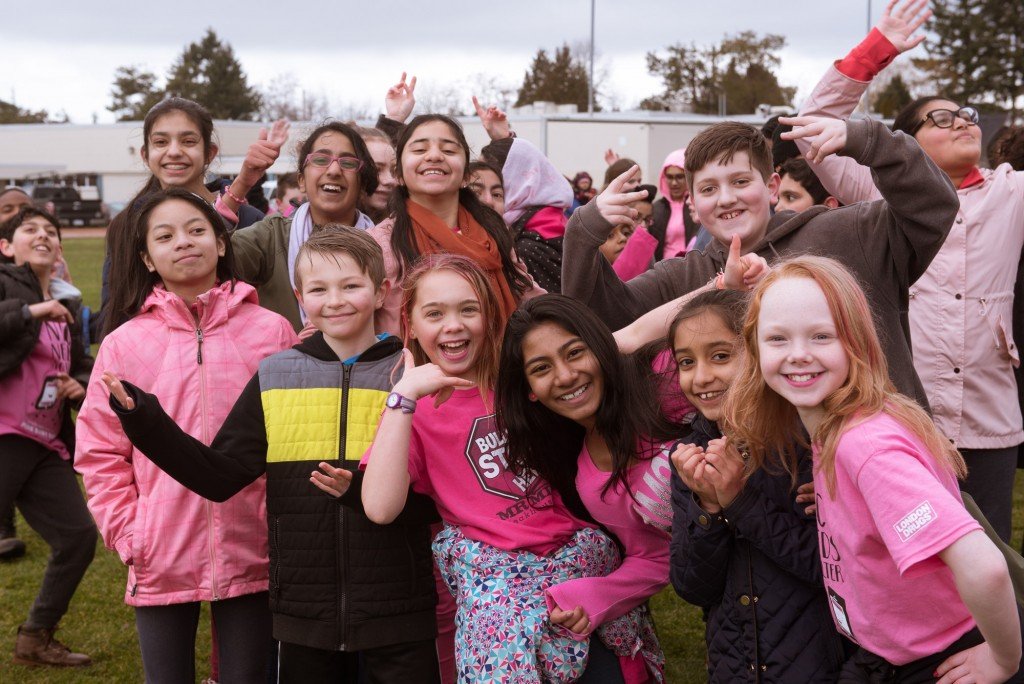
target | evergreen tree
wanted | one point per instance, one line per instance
(738, 72)
(12, 113)
(978, 53)
(209, 73)
(134, 93)
(894, 97)
(561, 79)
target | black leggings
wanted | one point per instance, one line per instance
(409, 662)
(167, 638)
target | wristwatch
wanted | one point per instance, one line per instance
(397, 401)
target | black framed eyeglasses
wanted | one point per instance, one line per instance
(322, 160)
(944, 118)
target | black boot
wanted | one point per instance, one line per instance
(10, 546)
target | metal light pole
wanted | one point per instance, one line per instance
(867, 91)
(590, 77)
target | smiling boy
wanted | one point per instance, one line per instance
(345, 593)
(42, 367)
(888, 243)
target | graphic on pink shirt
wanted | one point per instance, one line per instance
(485, 450)
(893, 510)
(37, 411)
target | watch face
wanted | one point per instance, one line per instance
(393, 400)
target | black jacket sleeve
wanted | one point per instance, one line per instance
(237, 456)
(393, 129)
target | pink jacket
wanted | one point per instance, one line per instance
(961, 309)
(178, 546)
(387, 318)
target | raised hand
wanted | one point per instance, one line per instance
(726, 470)
(334, 481)
(118, 391)
(742, 271)
(827, 136)
(614, 204)
(264, 152)
(51, 310)
(494, 120)
(400, 99)
(427, 380)
(898, 24)
(575, 620)
(610, 156)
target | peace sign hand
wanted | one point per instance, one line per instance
(494, 120)
(400, 99)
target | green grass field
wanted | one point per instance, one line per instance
(100, 624)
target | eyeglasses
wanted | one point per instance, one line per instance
(944, 118)
(323, 160)
(675, 177)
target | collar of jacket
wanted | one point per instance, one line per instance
(213, 306)
(23, 275)
(316, 346)
(780, 225)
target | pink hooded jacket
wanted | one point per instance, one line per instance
(961, 309)
(675, 231)
(179, 547)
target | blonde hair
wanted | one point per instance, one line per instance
(490, 309)
(766, 424)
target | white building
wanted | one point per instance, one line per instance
(107, 155)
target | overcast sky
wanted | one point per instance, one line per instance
(61, 55)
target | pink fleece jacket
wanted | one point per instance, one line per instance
(179, 547)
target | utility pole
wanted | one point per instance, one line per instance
(590, 78)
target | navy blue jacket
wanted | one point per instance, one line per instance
(755, 571)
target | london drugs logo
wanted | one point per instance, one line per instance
(915, 521)
(485, 450)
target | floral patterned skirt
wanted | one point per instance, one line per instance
(502, 631)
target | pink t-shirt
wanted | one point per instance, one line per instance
(457, 458)
(893, 512)
(641, 522)
(30, 406)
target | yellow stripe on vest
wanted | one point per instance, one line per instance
(304, 424)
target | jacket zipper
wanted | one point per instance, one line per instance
(346, 379)
(206, 440)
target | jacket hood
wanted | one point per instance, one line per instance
(780, 225)
(674, 158)
(212, 306)
(317, 347)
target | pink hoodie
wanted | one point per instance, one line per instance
(675, 231)
(178, 546)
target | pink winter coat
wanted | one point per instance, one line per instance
(179, 547)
